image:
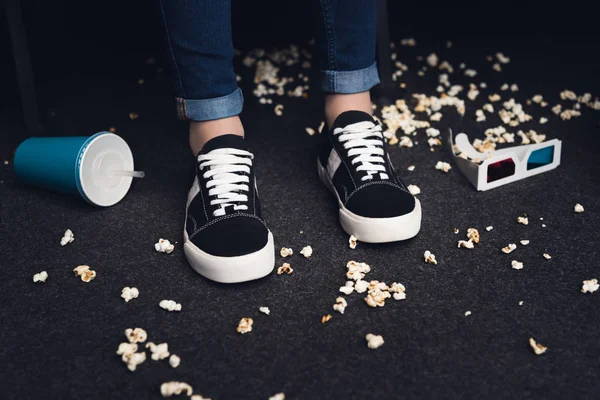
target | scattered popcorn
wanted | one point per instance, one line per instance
(537, 98)
(352, 242)
(174, 361)
(568, 95)
(514, 87)
(129, 293)
(467, 313)
(521, 303)
(245, 325)
(434, 142)
(376, 297)
(466, 244)
(278, 396)
(456, 231)
(497, 67)
(443, 166)
(411, 168)
(509, 248)
(133, 116)
(471, 73)
(340, 305)
(67, 238)
(361, 286)
(432, 60)
(502, 58)
(405, 141)
(414, 189)
(164, 246)
(488, 107)
(159, 351)
(172, 388)
(127, 348)
(137, 335)
(285, 269)
(410, 42)
(523, 220)
(347, 289)
(374, 341)
(170, 305)
(547, 256)
(504, 87)
(543, 120)
(85, 273)
(479, 116)
(278, 110)
(265, 310)
(489, 228)
(285, 252)
(537, 347)
(326, 318)
(133, 359)
(516, 264)
(524, 242)
(578, 208)
(590, 286)
(436, 117)
(473, 234)
(429, 257)
(40, 277)
(494, 97)
(306, 251)
(310, 131)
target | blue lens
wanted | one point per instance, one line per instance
(540, 157)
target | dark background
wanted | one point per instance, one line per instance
(58, 340)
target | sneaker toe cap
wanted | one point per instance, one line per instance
(231, 237)
(381, 201)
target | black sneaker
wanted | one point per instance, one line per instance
(225, 238)
(375, 205)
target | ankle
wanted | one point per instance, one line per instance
(202, 131)
(335, 104)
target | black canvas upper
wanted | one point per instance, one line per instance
(373, 198)
(236, 233)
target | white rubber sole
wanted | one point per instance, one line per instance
(375, 230)
(231, 269)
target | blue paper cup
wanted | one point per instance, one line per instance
(82, 166)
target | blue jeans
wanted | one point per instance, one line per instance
(198, 34)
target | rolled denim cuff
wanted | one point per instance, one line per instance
(348, 82)
(209, 109)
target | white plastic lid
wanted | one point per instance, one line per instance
(104, 153)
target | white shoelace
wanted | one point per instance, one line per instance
(226, 167)
(364, 142)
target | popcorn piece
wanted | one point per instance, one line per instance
(479, 116)
(538, 348)
(285, 252)
(170, 305)
(133, 360)
(129, 293)
(278, 396)
(306, 251)
(374, 341)
(133, 116)
(429, 257)
(278, 110)
(340, 305)
(361, 286)
(376, 297)
(497, 67)
(524, 242)
(414, 189)
(285, 269)
(590, 286)
(164, 246)
(578, 208)
(310, 131)
(543, 120)
(467, 313)
(159, 351)
(456, 231)
(523, 220)
(174, 361)
(466, 244)
(137, 335)
(432, 132)
(521, 303)
(436, 117)
(127, 348)
(411, 168)
(40, 277)
(547, 256)
(398, 291)
(67, 238)
(245, 325)
(265, 310)
(352, 242)
(473, 234)
(173, 388)
(434, 142)
(357, 270)
(488, 107)
(326, 318)
(346, 289)
(509, 248)
(489, 228)
(85, 273)
(516, 264)
(514, 87)
(494, 97)
(405, 141)
(443, 166)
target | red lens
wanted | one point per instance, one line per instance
(500, 169)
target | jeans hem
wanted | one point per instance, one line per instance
(348, 82)
(210, 109)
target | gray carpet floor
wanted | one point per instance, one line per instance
(59, 338)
